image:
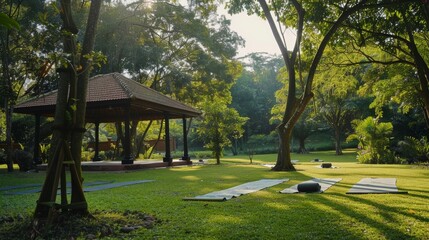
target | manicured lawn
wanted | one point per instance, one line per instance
(349, 155)
(266, 214)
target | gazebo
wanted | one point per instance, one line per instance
(115, 98)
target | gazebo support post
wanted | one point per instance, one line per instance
(36, 154)
(128, 158)
(185, 142)
(97, 143)
(167, 157)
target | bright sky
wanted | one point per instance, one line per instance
(257, 34)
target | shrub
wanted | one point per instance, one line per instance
(413, 149)
(24, 160)
(109, 154)
(87, 156)
(44, 152)
(201, 154)
(374, 140)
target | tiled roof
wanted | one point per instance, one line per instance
(109, 95)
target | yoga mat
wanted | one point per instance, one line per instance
(7, 188)
(375, 185)
(39, 189)
(332, 167)
(325, 183)
(237, 191)
(114, 185)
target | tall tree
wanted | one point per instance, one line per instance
(328, 17)
(67, 124)
(335, 94)
(219, 124)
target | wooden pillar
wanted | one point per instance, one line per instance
(97, 141)
(167, 157)
(128, 158)
(36, 154)
(185, 142)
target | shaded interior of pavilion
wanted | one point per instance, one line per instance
(115, 98)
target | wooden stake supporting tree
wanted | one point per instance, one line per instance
(46, 205)
(62, 159)
(69, 122)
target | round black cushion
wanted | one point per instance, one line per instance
(326, 165)
(309, 187)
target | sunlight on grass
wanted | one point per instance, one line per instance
(191, 178)
(222, 219)
(278, 206)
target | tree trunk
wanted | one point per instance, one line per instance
(217, 149)
(140, 141)
(338, 148)
(133, 137)
(7, 91)
(9, 144)
(119, 137)
(302, 148)
(82, 84)
(157, 140)
(284, 162)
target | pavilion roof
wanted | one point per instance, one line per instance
(111, 97)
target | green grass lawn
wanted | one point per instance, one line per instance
(266, 214)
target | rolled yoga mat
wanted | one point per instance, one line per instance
(309, 187)
(324, 183)
(326, 165)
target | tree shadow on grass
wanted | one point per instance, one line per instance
(388, 210)
(304, 220)
(388, 213)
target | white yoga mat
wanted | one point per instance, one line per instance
(375, 185)
(237, 191)
(324, 183)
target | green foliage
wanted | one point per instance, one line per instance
(413, 149)
(23, 159)
(23, 129)
(253, 93)
(196, 155)
(171, 48)
(219, 125)
(8, 22)
(87, 156)
(374, 140)
(261, 140)
(44, 152)
(395, 84)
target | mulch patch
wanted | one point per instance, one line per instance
(97, 225)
